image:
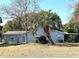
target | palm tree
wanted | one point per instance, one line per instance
(48, 21)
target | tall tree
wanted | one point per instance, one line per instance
(7, 26)
(69, 27)
(18, 11)
(49, 21)
(73, 25)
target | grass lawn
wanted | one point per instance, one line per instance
(38, 50)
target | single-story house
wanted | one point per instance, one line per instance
(21, 37)
(17, 37)
(55, 35)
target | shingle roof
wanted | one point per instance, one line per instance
(15, 32)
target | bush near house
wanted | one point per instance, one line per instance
(42, 40)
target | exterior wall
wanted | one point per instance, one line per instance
(23, 39)
(55, 35)
(17, 39)
(30, 37)
(39, 32)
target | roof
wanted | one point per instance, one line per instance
(60, 32)
(15, 33)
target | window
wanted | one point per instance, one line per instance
(12, 38)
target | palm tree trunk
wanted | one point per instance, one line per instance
(46, 30)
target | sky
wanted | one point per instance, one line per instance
(61, 7)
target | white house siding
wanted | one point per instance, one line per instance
(30, 37)
(56, 35)
(40, 32)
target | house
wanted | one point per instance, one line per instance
(56, 36)
(17, 37)
(24, 37)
